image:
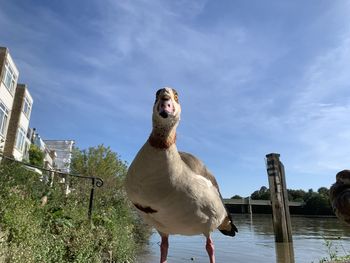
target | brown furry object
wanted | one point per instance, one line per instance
(340, 196)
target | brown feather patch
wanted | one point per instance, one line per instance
(145, 209)
(161, 142)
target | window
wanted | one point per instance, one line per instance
(4, 114)
(9, 78)
(21, 134)
(27, 107)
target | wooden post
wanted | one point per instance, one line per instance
(279, 198)
(250, 208)
(284, 253)
(243, 206)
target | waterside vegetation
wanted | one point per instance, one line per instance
(333, 253)
(58, 230)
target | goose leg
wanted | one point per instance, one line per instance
(164, 245)
(210, 249)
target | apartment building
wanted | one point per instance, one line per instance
(49, 155)
(16, 137)
(63, 150)
(15, 109)
(8, 76)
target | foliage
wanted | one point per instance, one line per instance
(236, 197)
(101, 162)
(296, 195)
(333, 253)
(36, 156)
(316, 203)
(60, 230)
(262, 194)
(323, 191)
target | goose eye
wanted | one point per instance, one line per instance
(157, 94)
(176, 96)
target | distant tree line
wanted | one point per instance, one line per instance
(316, 203)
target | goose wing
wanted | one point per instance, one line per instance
(197, 166)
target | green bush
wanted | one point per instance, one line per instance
(36, 156)
(60, 230)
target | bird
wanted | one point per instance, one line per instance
(340, 196)
(173, 191)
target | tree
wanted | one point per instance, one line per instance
(36, 156)
(323, 191)
(262, 194)
(318, 204)
(99, 161)
(296, 195)
(236, 197)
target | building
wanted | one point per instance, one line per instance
(17, 143)
(15, 109)
(8, 76)
(49, 155)
(64, 151)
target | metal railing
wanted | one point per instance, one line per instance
(95, 181)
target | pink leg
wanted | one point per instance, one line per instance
(164, 249)
(210, 249)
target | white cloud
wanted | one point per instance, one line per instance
(236, 80)
(319, 115)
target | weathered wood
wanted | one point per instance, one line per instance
(284, 252)
(250, 208)
(279, 199)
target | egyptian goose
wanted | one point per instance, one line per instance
(340, 196)
(173, 191)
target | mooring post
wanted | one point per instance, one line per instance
(284, 252)
(279, 198)
(250, 208)
(242, 206)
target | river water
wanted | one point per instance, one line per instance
(255, 242)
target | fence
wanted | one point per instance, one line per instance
(95, 181)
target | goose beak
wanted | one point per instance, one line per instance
(166, 107)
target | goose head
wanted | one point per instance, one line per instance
(166, 109)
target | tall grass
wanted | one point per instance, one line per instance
(60, 231)
(333, 253)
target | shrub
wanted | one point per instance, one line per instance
(60, 231)
(36, 156)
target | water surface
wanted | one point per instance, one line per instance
(255, 242)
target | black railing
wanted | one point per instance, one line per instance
(95, 181)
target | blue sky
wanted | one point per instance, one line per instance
(253, 77)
